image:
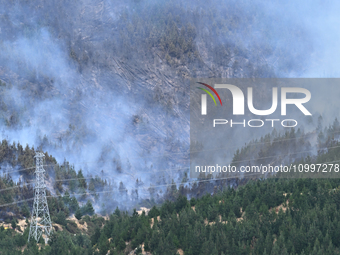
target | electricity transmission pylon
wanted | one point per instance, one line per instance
(40, 220)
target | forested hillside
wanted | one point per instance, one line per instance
(296, 216)
(273, 216)
(102, 88)
(106, 84)
(64, 179)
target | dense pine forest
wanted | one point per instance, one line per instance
(263, 216)
(273, 216)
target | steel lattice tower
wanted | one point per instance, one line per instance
(40, 220)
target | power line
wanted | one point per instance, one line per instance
(177, 169)
(17, 202)
(111, 191)
(239, 161)
(41, 225)
(23, 169)
(174, 153)
(155, 186)
(8, 172)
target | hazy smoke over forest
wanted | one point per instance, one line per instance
(99, 83)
